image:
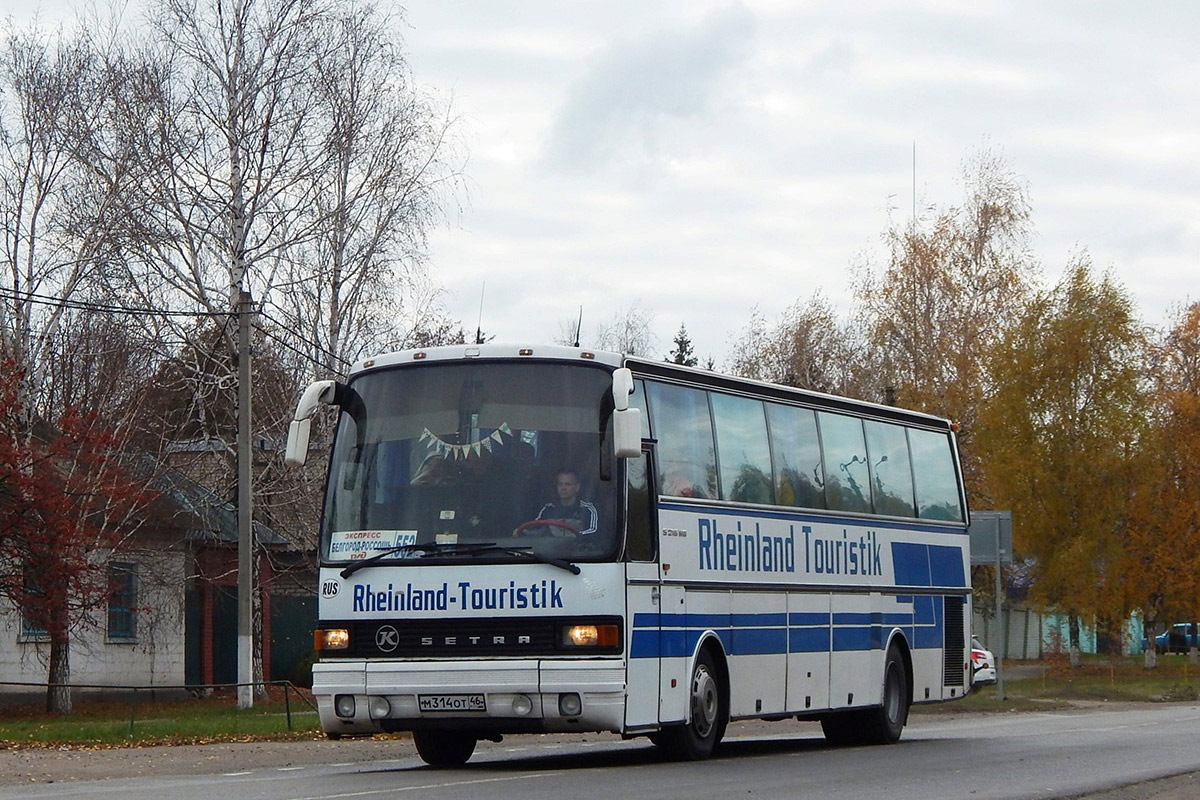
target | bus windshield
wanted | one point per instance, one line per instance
(447, 457)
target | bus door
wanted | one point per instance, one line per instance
(643, 597)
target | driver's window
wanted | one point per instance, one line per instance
(639, 529)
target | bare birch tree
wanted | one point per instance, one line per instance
(386, 166)
(60, 191)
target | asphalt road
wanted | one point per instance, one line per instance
(1001, 756)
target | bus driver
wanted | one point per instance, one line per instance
(577, 516)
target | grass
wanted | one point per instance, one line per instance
(1096, 680)
(216, 718)
(111, 723)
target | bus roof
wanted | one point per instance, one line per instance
(645, 366)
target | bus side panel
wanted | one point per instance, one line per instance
(758, 654)
(856, 663)
(678, 644)
(808, 652)
(927, 648)
(643, 647)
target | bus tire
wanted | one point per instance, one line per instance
(444, 749)
(884, 724)
(842, 728)
(695, 739)
(881, 724)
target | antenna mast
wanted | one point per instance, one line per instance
(479, 324)
(578, 326)
(914, 193)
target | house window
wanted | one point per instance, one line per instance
(32, 629)
(122, 601)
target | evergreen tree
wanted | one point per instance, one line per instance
(683, 353)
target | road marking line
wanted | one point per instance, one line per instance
(234, 774)
(446, 785)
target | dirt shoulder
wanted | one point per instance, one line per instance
(20, 766)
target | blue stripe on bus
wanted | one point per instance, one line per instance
(778, 634)
(778, 514)
(744, 620)
(758, 641)
(808, 640)
(864, 638)
(946, 565)
(927, 565)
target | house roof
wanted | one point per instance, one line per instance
(207, 517)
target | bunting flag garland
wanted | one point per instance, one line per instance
(456, 451)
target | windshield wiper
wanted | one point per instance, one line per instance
(430, 548)
(527, 552)
(426, 548)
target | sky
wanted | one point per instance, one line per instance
(705, 159)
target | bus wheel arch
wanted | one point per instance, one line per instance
(899, 641)
(708, 706)
(884, 724)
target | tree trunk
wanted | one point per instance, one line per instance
(1073, 634)
(58, 693)
(1150, 656)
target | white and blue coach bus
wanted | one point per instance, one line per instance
(748, 551)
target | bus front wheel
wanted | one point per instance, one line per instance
(444, 749)
(696, 738)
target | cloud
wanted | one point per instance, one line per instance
(635, 90)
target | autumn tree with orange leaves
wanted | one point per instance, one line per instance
(1163, 544)
(952, 285)
(67, 503)
(1057, 435)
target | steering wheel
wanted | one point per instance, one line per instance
(538, 523)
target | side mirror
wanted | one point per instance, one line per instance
(321, 392)
(627, 433)
(622, 387)
(627, 422)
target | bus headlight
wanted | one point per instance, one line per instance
(591, 636)
(378, 707)
(570, 704)
(343, 705)
(331, 639)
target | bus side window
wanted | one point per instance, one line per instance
(891, 469)
(686, 455)
(934, 475)
(639, 527)
(844, 451)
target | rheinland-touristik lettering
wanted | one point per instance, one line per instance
(740, 550)
(464, 596)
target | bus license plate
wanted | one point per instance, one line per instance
(451, 702)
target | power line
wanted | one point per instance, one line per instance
(305, 355)
(108, 308)
(315, 345)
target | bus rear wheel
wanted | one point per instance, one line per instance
(881, 724)
(696, 738)
(444, 749)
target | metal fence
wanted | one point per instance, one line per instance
(138, 694)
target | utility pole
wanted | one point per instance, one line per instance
(245, 648)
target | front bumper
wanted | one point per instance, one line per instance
(520, 696)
